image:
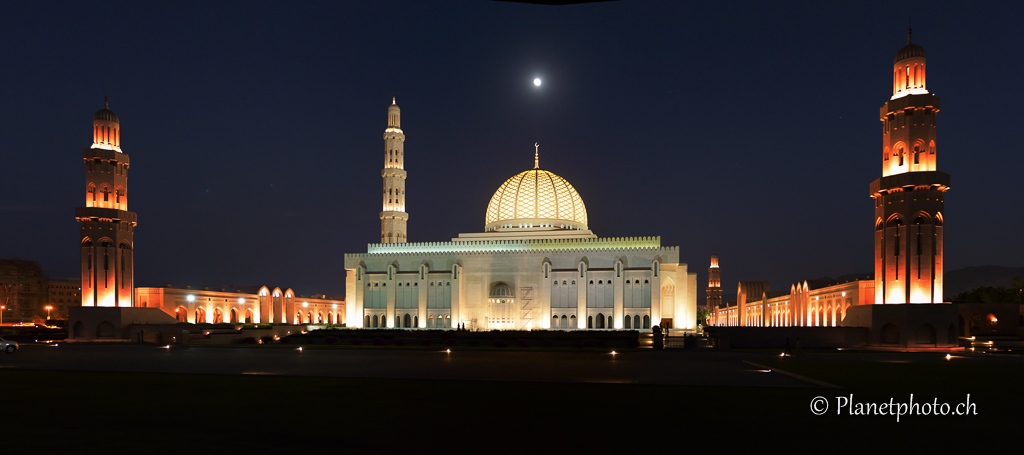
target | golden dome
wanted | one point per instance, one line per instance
(536, 199)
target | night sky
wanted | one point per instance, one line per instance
(256, 130)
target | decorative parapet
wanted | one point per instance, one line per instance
(489, 246)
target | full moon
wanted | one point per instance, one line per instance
(536, 82)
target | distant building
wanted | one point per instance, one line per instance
(23, 290)
(63, 294)
(242, 305)
(26, 291)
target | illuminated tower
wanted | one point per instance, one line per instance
(908, 197)
(106, 224)
(393, 218)
(714, 292)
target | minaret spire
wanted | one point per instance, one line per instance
(909, 230)
(393, 217)
(107, 227)
(536, 155)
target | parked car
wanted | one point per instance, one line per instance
(8, 346)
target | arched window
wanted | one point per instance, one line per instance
(647, 321)
(565, 322)
(376, 321)
(407, 321)
(926, 335)
(366, 322)
(890, 334)
(590, 322)
(627, 322)
(636, 322)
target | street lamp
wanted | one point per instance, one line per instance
(48, 308)
(2, 308)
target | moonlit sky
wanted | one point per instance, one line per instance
(255, 128)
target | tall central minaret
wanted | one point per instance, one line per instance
(393, 217)
(909, 196)
(107, 227)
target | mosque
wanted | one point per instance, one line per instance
(535, 265)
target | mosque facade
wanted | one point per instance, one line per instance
(535, 265)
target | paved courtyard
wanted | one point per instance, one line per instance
(639, 367)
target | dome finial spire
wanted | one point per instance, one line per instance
(536, 155)
(106, 103)
(392, 100)
(910, 28)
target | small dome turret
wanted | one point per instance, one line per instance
(107, 115)
(394, 115)
(106, 129)
(908, 72)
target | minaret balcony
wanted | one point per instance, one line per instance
(925, 100)
(926, 178)
(94, 213)
(105, 154)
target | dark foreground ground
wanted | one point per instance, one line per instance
(143, 399)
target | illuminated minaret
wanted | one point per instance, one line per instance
(393, 217)
(908, 197)
(714, 292)
(106, 224)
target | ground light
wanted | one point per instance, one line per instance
(948, 357)
(300, 348)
